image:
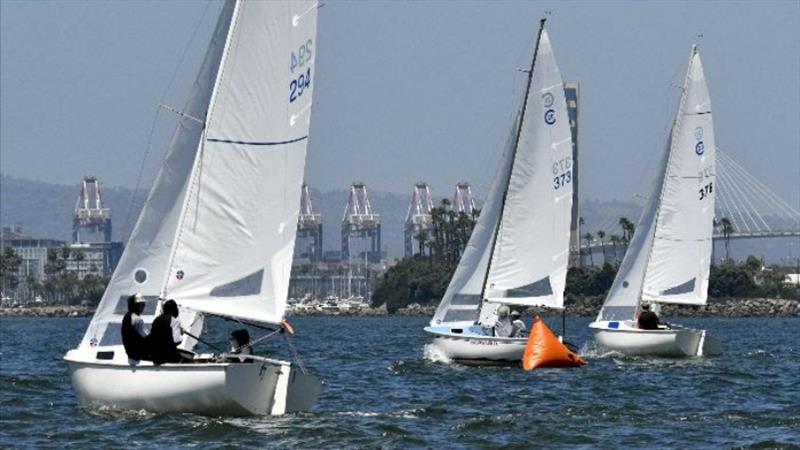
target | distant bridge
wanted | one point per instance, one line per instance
(750, 208)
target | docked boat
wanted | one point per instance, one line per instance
(519, 249)
(217, 230)
(668, 259)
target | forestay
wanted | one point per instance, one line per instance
(529, 264)
(143, 265)
(462, 300)
(669, 257)
(217, 230)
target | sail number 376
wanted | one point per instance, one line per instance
(297, 60)
(706, 191)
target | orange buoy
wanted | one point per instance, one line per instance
(545, 350)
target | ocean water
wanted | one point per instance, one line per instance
(381, 392)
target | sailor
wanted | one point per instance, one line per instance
(502, 326)
(518, 327)
(240, 345)
(165, 335)
(134, 337)
(648, 320)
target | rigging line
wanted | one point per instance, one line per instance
(724, 204)
(756, 190)
(745, 199)
(149, 146)
(202, 341)
(766, 192)
(764, 200)
(760, 189)
(735, 201)
(752, 207)
(739, 224)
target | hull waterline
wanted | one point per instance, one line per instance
(475, 349)
(261, 387)
(625, 337)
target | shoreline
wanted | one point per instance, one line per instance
(721, 307)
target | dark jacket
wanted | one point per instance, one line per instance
(162, 345)
(135, 344)
(648, 320)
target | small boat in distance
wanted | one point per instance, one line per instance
(669, 257)
(218, 228)
(519, 250)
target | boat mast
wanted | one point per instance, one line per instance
(511, 166)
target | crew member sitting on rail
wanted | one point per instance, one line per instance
(518, 327)
(502, 327)
(134, 338)
(165, 335)
(240, 345)
(648, 320)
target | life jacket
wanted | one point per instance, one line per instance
(135, 345)
(162, 346)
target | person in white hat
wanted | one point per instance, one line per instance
(502, 326)
(134, 336)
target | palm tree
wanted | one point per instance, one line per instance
(422, 238)
(727, 230)
(601, 235)
(615, 241)
(627, 230)
(589, 237)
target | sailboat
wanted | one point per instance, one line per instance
(519, 250)
(217, 230)
(669, 256)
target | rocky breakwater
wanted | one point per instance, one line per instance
(47, 311)
(737, 307)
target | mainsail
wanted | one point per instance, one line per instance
(669, 257)
(518, 250)
(217, 230)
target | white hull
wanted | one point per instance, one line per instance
(265, 386)
(474, 348)
(625, 337)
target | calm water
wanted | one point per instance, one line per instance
(380, 392)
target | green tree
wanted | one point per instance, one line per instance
(10, 262)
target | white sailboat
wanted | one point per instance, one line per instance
(519, 249)
(669, 257)
(218, 228)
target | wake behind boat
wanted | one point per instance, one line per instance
(669, 257)
(518, 252)
(218, 228)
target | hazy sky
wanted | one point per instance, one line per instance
(408, 91)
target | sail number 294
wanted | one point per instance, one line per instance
(297, 60)
(562, 172)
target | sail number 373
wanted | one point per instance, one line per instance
(562, 171)
(297, 60)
